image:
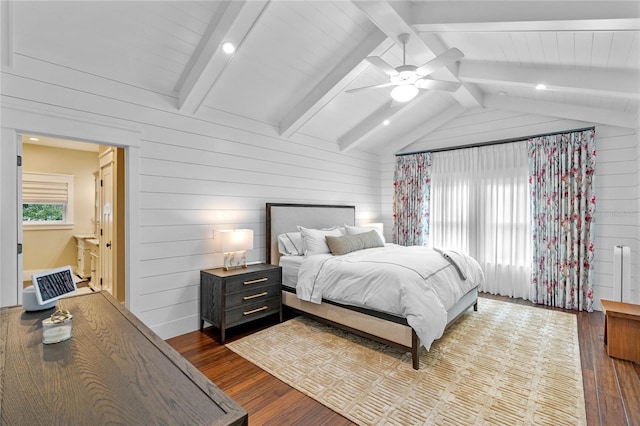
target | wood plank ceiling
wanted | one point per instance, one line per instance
(295, 59)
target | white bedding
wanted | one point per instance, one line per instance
(290, 266)
(416, 283)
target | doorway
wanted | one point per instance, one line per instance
(22, 116)
(93, 241)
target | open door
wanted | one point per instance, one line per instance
(106, 236)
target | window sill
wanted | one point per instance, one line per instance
(46, 226)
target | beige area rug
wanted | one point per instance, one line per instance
(506, 364)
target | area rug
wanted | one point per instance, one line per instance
(506, 364)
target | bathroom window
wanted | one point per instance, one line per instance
(47, 201)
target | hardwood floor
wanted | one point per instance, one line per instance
(611, 386)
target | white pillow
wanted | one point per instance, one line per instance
(290, 244)
(313, 239)
(355, 230)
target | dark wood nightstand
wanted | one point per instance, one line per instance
(238, 296)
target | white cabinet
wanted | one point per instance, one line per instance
(86, 244)
(94, 247)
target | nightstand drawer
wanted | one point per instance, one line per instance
(253, 295)
(246, 281)
(252, 311)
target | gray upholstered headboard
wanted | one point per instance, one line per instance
(283, 218)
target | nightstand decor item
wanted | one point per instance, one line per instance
(234, 243)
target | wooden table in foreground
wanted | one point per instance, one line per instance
(114, 370)
(622, 329)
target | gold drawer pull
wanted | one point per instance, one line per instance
(255, 310)
(261, 280)
(264, 293)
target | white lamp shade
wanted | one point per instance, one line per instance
(378, 226)
(404, 93)
(229, 240)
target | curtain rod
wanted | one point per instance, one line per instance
(499, 142)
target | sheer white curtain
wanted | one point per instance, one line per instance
(480, 205)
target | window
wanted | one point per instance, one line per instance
(480, 205)
(47, 201)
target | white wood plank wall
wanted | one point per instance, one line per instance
(636, 256)
(617, 217)
(617, 178)
(214, 171)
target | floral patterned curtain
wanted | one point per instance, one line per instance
(411, 181)
(561, 169)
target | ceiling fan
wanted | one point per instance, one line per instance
(409, 79)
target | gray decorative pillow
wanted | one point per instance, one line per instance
(353, 230)
(348, 243)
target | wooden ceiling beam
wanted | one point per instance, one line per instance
(388, 111)
(524, 16)
(602, 82)
(422, 130)
(629, 24)
(233, 23)
(335, 82)
(554, 109)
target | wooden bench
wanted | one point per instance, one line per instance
(622, 329)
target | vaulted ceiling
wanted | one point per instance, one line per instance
(295, 59)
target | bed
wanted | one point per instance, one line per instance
(385, 327)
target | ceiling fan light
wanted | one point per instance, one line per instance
(404, 93)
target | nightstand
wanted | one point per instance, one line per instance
(238, 296)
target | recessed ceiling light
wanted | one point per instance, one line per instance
(540, 86)
(386, 122)
(228, 48)
(34, 139)
(502, 93)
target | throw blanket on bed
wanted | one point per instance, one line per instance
(416, 283)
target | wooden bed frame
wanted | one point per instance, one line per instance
(382, 327)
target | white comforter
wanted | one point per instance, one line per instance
(416, 283)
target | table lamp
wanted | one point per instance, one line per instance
(234, 243)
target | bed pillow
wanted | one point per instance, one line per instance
(355, 230)
(314, 239)
(348, 243)
(290, 244)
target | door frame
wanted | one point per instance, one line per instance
(25, 117)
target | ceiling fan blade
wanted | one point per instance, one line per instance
(375, 86)
(447, 58)
(381, 64)
(447, 86)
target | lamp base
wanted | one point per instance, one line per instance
(235, 259)
(228, 268)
